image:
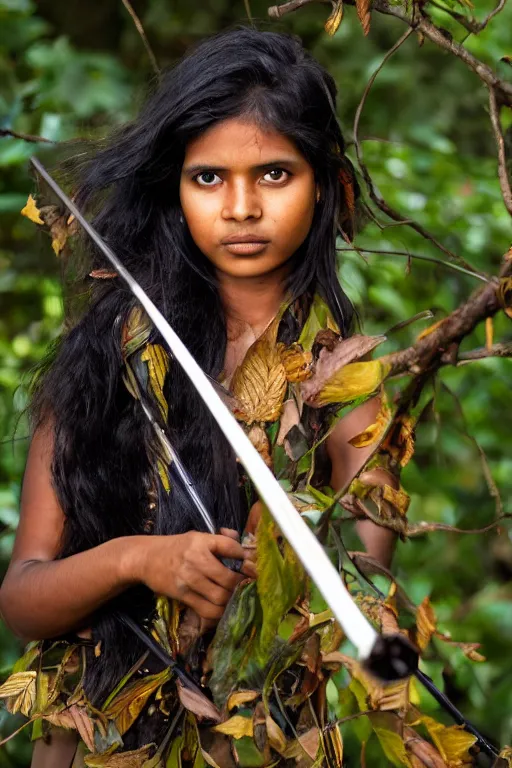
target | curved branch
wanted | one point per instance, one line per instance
(494, 112)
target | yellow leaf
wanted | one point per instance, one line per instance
(398, 498)
(489, 332)
(259, 383)
(20, 689)
(334, 20)
(31, 211)
(237, 726)
(158, 365)
(393, 746)
(352, 381)
(241, 697)
(372, 433)
(399, 442)
(129, 702)
(425, 624)
(276, 737)
(259, 439)
(297, 363)
(452, 742)
(333, 745)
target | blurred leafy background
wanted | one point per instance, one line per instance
(67, 70)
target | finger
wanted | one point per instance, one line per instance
(211, 591)
(221, 575)
(230, 532)
(204, 609)
(225, 546)
(249, 569)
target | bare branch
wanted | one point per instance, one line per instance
(26, 136)
(473, 26)
(374, 195)
(502, 349)
(446, 264)
(140, 30)
(494, 112)
(439, 37)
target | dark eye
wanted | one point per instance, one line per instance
(276, 174)
(208, 177)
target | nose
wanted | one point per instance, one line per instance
(241, 201)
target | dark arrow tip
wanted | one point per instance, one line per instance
(393, 657)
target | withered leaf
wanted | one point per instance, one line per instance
(130, 701)
(363, 11)
(238, 698)
(276, 737)
(333, 22)
(452, 742)
(297, 363)
(31, 211)
(237, 726)
(198, 704)
(372, 433)
(290, 417)
(425, 624)
(20, 690)
(135, 758)
(333, 377)
(259, 383)
(259, 439)
(76, 718)
(310, 741)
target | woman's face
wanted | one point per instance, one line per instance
(240, 182)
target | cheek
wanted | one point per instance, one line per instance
(294, 217)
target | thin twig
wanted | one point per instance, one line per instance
(446, 264)
(494, 113)
(26, 136)
(503, 349)
(423, 25)
(374, 195)
(140, 30)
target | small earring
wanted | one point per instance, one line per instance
(182, 220)
(317, 195)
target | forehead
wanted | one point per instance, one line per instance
(235, 141)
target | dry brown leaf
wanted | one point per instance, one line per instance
(363, 11)
(425, 624)
(310, 742)
(333, 22)
(505, 295)
(103, 274)
(75, 718)
(259, 439)
(237, 726)
(399, 442)
(20, 690)
(422, 753)
(197, 703)
(31, 211)
(290, 417)
(134, 758)
(298, 365)
(259, 383)
(468, 649)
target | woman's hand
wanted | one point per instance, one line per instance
(187, 567)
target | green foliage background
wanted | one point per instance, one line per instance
(68, 71)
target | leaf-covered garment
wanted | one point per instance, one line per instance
(286, 690)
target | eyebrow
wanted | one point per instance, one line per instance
(193, 169)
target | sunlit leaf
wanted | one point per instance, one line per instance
(241, 697)
(237, 726)
(31, 211)
(20, 690)
(333, 22)
(130, 701)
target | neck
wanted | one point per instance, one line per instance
(251, 301)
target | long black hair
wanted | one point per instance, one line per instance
(101, 467)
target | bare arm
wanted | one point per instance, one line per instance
(42, 597)
(347, 461)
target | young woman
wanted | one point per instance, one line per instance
(224, 199)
